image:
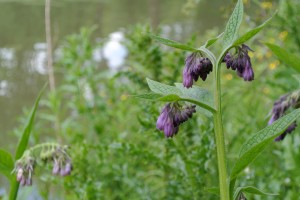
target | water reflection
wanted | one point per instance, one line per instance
(7, 57)
(38, 60)
(113, 51)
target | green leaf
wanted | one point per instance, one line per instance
(169, 98)
(171, 43)
(257, 143)
(158, 97)
(6, 163)
(247, 36)
(163, 89)
(233, 25)
(196, 93)
(290, 59)
(213, 190)
(250, 190)
(148, 96)
(212, 41)
(27, 130)
(23, 143)
(193, 95)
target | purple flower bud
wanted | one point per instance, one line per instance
(172, 116)
(19, 174)
(241, 63)
(23, 181)
(29, 181)
(67, 170)
(280, 108)
(248, 73)
(56, 168)
(195, 67)
(163, 117)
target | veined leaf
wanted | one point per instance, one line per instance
(163, 89)
(170, 98)
(6, 163)
(196, 93)
(171, 43)
(247, 36)
(290, 59)
(158, 97)
(233, 25)
(250, 190)
(257, 143)
(193, 95)
(212, 41)
(148, 96)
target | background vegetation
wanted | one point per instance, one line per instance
(117, 151)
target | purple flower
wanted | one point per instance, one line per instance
(240, 62)
(24, 170)
(280, 108)
(171, 116)
(62, 163)
(195, 67)
(56, 168)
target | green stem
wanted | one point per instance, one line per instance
(219, 137)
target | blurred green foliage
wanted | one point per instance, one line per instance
(117, 151)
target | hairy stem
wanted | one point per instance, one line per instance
(219, 137)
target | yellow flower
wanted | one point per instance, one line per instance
(123, 97)
(266, 5)
(274, 64)
(266, 90)
(269, 54)
(283, 35)
(228, 76)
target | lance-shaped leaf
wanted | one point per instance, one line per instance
(212, 41)
(250, 190)
(233, 25)
(24, 142)
(148, 96)
(247, 36)
(257, 143)
(27, 130)
(171, 43)
(196, 93)
(161, 88)
(193, 95)
(291, 60)
(6, 163)
(158, 97)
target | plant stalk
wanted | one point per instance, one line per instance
(219, 138)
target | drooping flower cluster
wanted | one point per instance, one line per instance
(62, 162)
(171, 116)
(24, 167)
(240, 62)
(280, 108)
(195, 67)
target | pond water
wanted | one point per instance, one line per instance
(23, 48)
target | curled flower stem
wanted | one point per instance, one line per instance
(203, 105)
